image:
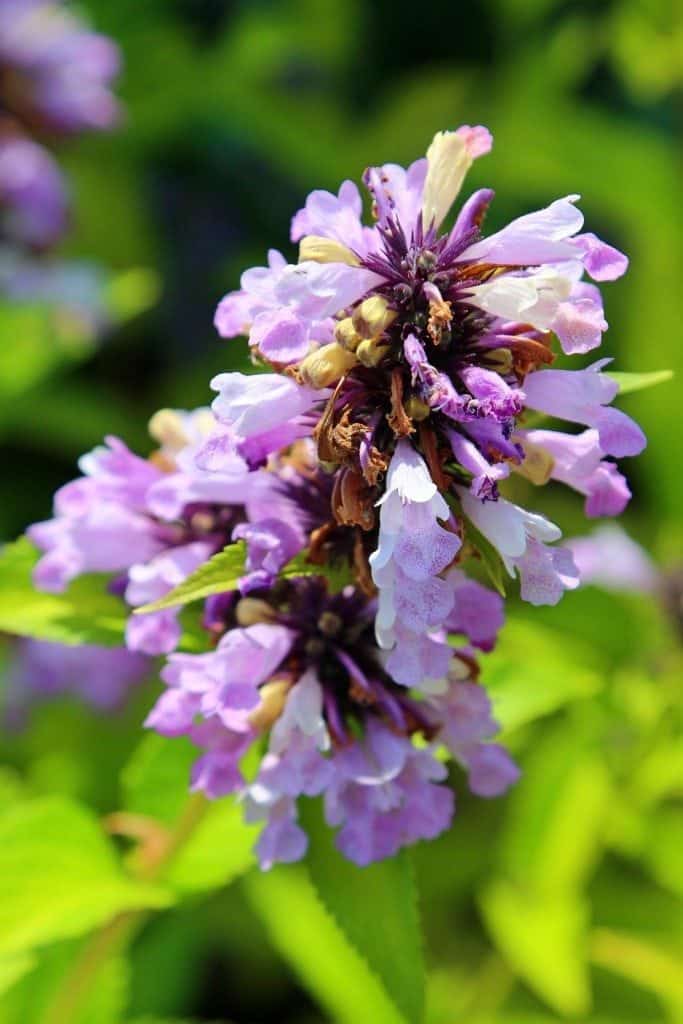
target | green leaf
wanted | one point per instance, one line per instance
(132, 292)
(104, 1004)
(543, 940)
(491, 560)
(85, 613)
(376, 908)
(629, 382)
(308, 938)
(12, 968)
(535, 671)
(59, 876)
(558, 811)
(647, 964)
(337, 576)
(220, 573)
(156, 783)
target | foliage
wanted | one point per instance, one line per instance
(561, 902)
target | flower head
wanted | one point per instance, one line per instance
(421, 349)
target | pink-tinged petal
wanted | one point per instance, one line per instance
(256, 403)
(535, 238)
(607, 492)
(491, 770)
(478, 613)
(579, 324)
(155, 633)
(234, 314)
(280, 336)
(545, 573)
(330, 216)
(501, 522)
(620, 436)
(603, 262)
(478, 139)
(611, 559)
(173, 713)
(216, 774)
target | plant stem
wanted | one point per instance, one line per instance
(69, 999)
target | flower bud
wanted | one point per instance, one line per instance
(326, 365)
(538, 463)
(370, 352)
(273, 696)
(346, 334)
(251, 610)
(373, 316)
(417, 409)
(325, 250)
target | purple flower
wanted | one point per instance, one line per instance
(101, 676)
(151, 522)
(411, 354)
(33, 200)
(302, 666)
(55, 74)
(609, 558)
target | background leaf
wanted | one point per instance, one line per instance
(376, 907)
(629, 382)
(84, 614)
(59, 876)
(156, 783)
(309, 938)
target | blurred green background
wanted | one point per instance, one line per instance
(562, 901)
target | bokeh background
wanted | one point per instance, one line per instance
(562, 901)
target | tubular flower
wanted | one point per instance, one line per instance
(417, 351)
(300, 666)
(152, 522)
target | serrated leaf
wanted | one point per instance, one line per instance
(219, 574)
(337, 576)
(491, 560)
(156, 783)
(629, 382)
(376, 908)
(59, 875)
(543, 940)
(84, 614)
(309, 939)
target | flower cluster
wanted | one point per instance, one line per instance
(293, 668)
(55, 78)
(423, 353)
(365, 475)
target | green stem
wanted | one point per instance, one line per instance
(77, 984)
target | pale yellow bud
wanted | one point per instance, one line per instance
(273, 696)
(417, 409)
(373, 316)
(346, 334)
(538, 463)
(448, 161)
(251, 610)
(370, 352)
(325, 250)
(326, 365)
(166, 426)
